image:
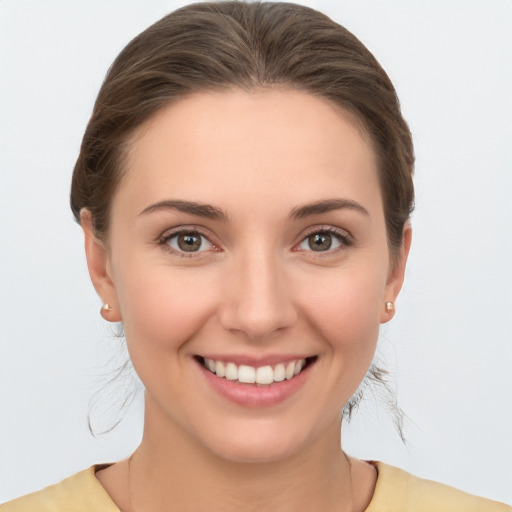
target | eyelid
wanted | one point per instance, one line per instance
(342, 235)
(168, 234)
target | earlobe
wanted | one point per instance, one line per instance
(99, 271)
(396, 278)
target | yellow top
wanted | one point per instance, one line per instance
(396, 491)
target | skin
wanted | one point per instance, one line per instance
(255, 288)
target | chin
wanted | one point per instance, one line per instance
(260, 442)
(254, 451)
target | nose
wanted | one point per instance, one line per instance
(257, 299)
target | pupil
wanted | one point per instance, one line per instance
(320, 242)
(189, 243)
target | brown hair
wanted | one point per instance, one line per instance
(220, 45)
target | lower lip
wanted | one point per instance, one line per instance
(252, 395)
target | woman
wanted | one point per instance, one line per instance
(244, 186)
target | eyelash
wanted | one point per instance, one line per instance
(341, 236)
(193, 231)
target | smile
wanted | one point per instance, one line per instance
(264, 375)
(251, 385)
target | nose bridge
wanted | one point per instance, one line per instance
(257, 301)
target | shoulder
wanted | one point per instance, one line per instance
(81, 493)
(400, 491)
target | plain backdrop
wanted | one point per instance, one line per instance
(450, 345)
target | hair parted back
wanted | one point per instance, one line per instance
(220, 45)
(215, 46)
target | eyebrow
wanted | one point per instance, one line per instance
(200, 209)
(211, 212)
(325, 206)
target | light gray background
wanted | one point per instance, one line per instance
(450, 343)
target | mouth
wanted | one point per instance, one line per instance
(261, 376)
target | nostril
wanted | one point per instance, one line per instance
(257, 305)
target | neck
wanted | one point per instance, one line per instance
(172, 471)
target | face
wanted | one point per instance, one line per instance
(248, 239)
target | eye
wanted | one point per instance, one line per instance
(324, 240)
(187, 242)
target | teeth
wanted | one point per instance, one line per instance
(219, 369)
(279, 373)
(290, 370)
(231, 371)
(246, 374)
(264, 375)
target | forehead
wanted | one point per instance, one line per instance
(271, 143)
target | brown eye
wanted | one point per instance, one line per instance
(320, 241)
(325, 240)
(189, 242)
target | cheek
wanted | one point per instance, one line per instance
(163, 308)
(350, 300)
(345, 310)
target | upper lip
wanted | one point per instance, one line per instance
(256, 362)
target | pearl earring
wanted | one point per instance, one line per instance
(105, 311)
(389, 306)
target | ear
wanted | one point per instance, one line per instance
(98, 263)
(396, 278)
